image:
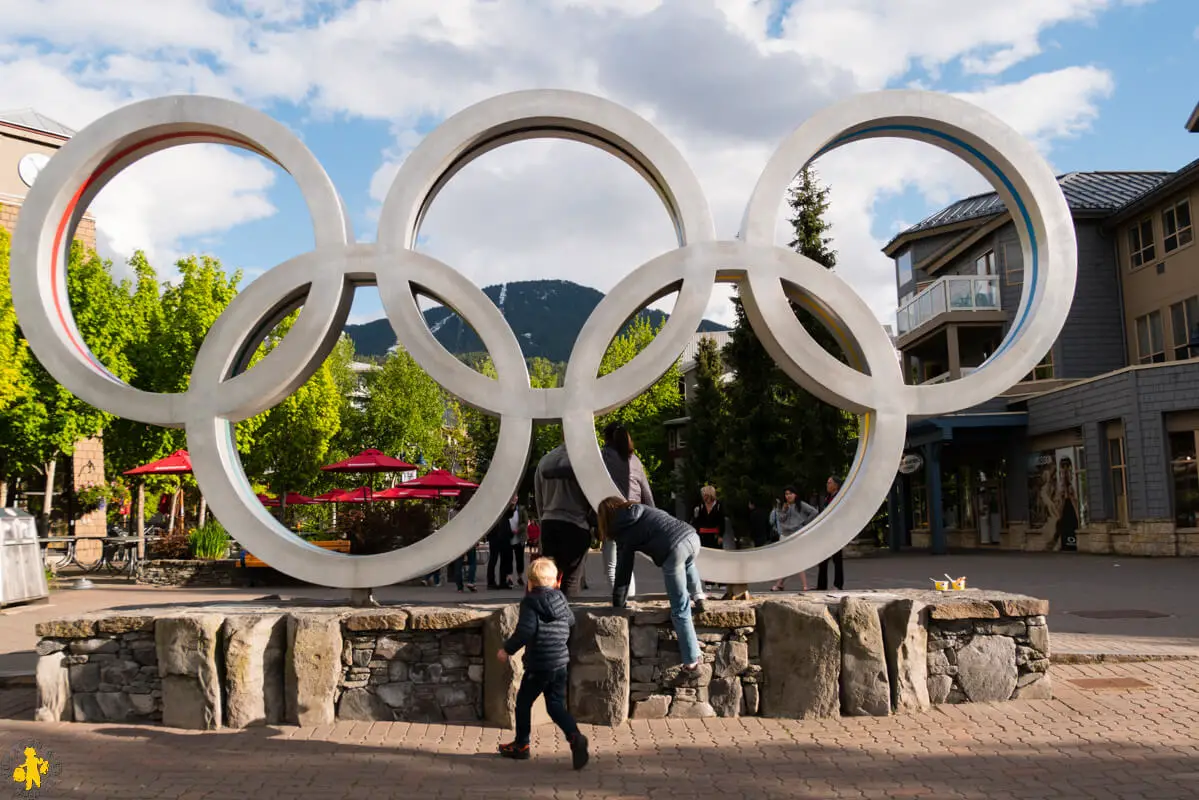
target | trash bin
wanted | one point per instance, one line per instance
(22, 568)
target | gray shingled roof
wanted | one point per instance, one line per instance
(28, 118)
(1084, 191)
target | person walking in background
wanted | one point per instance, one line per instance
(832, 486)
(499, 542)
(628, 474)
(520, 538)
(565, 517)
(791, 515)
(673, 545)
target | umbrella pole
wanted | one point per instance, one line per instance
(141, 520)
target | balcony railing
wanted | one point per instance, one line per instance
(951, 293)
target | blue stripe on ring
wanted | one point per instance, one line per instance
(994, 168)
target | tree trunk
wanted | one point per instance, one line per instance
(3, 493)
(174, 511)
(48, 498)
(203, 512)
(141, 520)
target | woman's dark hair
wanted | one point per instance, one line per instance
(617, 437)
(790, 489)
(606, 511)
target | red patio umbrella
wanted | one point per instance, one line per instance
(177, 463)
(370, 461)
(360, 495)
(401, 493)
(441, 480)
(292, 499)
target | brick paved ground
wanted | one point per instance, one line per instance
(1110, 744)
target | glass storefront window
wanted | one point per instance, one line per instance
(1185, 470)
(1119, 479)
(1057, 490)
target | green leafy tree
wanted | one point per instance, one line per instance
(777, 433)
(706, 419)
(646, 413)
(12, 348)
(404, 410)
(46, 420)
(292, 440)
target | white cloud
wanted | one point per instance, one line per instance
(704, 70)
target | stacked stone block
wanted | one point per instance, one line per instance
(813, 656)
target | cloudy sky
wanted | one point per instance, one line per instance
(1097, 84)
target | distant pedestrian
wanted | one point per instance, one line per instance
(832, 486)
(673, 546)
(628, 474)
(543, 631)
(565, 517)
(499, 542)
(791, 515)
(709, 522)
(520, 540)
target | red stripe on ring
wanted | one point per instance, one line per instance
(95, 176)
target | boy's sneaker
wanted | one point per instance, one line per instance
(520, 752)
(579, 756)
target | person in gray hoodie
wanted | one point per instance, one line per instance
(628, 474)
(565, 517)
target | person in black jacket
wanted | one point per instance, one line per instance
(543, 630)
(673, 546)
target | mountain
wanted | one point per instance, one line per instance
(545, 315)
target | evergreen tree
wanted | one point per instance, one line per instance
(706, 413)
(777, 433)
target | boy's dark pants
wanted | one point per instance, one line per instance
(553, 686)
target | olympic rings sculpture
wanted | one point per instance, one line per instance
(223, 391)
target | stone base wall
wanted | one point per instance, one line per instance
(191, 572)
(868, 654)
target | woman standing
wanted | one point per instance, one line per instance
(792, 515)
(499, 544)
(673, 546)
(832, 486)
(708, 518)
(628, 474)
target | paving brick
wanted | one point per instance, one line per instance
(1087, 744)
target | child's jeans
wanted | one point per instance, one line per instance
(553, 686)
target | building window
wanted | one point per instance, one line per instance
(683, 388)
(1176, 226)
(1012, 262)
(1150, 347)
(985, 264)
(1184, 324)
(919, 499)
(1185, 471)
(903, 267)
(1118, 474)
(1043, 371)
(1057, 490)
(1140, 243)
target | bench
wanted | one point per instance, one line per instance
(337, 545)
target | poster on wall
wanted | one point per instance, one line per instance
(1057, 492)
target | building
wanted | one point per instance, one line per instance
(1098, 444)
(27, 141)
